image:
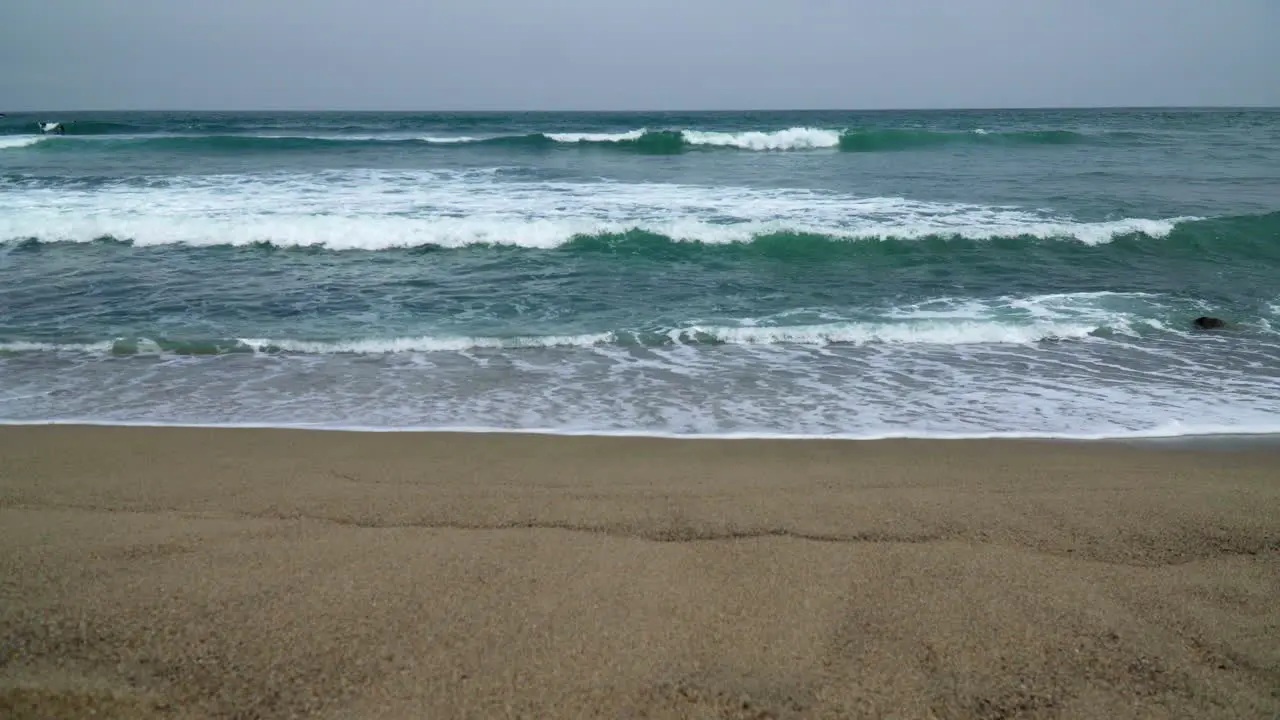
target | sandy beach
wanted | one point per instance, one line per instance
(187, 573)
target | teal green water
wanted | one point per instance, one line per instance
(803, 273)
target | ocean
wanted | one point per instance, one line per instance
(828, 274)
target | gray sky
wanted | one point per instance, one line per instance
(635, 54)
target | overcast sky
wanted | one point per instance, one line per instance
(635, 54)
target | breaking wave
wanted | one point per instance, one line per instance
(852, 333)
(642, 140)
(336, 233)
(19, 141)
(941, 321)
(382, 210)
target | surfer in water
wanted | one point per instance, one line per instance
(53, 127)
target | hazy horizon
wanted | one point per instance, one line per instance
(664, 55)
(644, 111)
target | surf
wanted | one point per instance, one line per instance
(385, 210)
(939, 333)
(655, 237)
(945, 321)
(14, 142)
(641, 141)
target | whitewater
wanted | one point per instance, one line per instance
(803, 274)
(372, 210)
(640, 139)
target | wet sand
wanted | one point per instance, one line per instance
(268, 574)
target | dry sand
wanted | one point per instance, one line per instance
(263, 574)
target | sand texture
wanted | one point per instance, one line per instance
(186, 573)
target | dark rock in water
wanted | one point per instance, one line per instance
(1209, 323)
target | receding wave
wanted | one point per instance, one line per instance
(849, 333)
(642, 140)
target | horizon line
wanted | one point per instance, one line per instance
(648, 110)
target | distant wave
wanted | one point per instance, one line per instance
(450, 140)
(795, 138)
(74, 127)
(209, 143)
(100, 127)
(880, 140)
(622, 137)
(642, 140)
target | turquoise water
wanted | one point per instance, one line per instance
(802, 273)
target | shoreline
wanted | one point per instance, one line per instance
(1209, 436)
(186, 572)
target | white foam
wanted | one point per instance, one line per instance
(748, 332)
(797, 138)
(19, 141)
(945, 368)
(1121, 312)
(1161, 431)
(1173, 429)
(450, 140)
(23, 347)
(380, 209)
(377, 346)
(598, 137)
(928, 332)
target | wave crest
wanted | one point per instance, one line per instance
(390, 233)
(921, 331)
(379, 210)
(926, 333)
(797, 138)
(20, 141)
(641, 140)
